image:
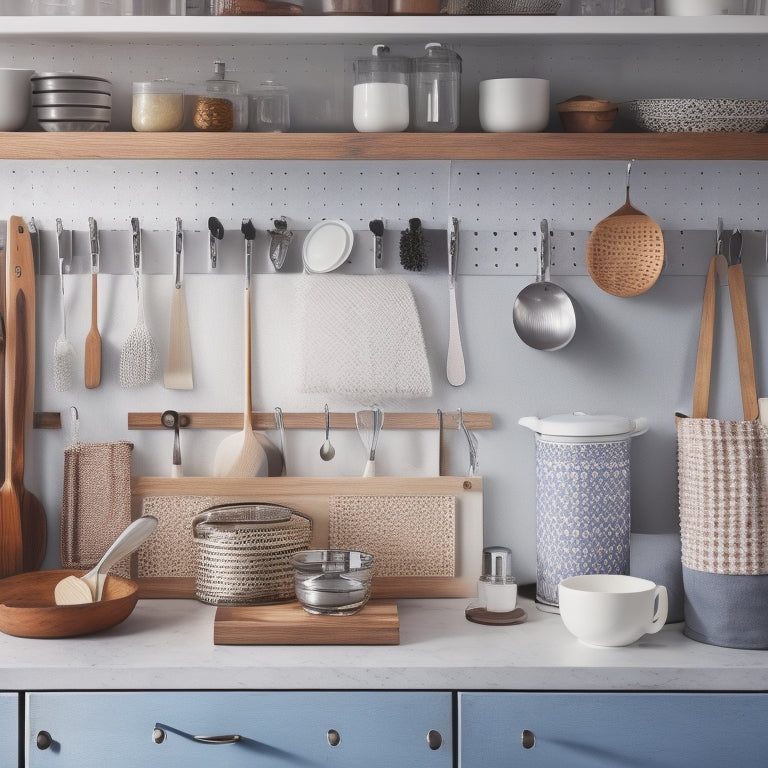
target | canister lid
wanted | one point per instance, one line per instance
(438, 58)
(497, 563)
(580, 424)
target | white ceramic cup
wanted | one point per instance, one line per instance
(514, 104)
(610, 609)
(15, 98)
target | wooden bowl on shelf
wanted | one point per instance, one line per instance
(28, 608)
(586, 114)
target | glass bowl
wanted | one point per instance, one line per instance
(334, 582)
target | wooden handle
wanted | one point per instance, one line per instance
(701, 383)
(743, 341)
(92, 367)
(248, 407)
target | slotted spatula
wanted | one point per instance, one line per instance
(625, 251)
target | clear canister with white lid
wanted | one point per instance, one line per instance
(158, 105)
(380, 95)
(436, 89)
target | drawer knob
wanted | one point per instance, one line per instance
(334, 738)
(158, 735)
(528, 739)
(435, 739)
(43, 740)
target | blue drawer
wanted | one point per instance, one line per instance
(616, 730)
(9, 730)
(159, 729)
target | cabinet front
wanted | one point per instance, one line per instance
(239, 729)
(9, 729)
(605, 730)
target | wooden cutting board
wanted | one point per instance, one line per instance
(377, 623)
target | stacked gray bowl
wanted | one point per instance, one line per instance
(64, 101)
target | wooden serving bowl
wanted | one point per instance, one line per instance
(28, 608)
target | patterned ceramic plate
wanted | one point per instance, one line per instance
(698, 115)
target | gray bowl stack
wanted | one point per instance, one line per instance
(64, 101)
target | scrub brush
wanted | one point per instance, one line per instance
(413, 252)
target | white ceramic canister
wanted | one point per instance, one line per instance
(380, 95)
(582, 496)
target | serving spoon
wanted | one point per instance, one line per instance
(73, 590)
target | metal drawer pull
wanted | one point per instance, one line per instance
(435, 739)
(230, 738)
(159, 734)
(528, 739)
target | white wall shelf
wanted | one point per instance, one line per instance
(366, 29)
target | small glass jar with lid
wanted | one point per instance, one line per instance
(436, 89)
(380, 93)
(157, 105)
(269, 108)
(221, 107)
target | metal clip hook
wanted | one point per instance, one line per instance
(177, 268)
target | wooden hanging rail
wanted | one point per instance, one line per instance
(266, 420)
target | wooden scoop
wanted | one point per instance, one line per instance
(625, 252)
(73, 590)
(22, 517)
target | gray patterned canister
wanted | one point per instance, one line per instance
(582, 497)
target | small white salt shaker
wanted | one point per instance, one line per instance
(497, 588)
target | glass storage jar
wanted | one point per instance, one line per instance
(158, 105)
(380, 94)
(269, 108)
(436, 89)
(221, 107)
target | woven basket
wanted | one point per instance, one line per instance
(502, 7)
(244, 552)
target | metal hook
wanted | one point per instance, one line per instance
(75, 425)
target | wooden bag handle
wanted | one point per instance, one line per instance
(701, 381)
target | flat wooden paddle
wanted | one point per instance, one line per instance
(23, 527)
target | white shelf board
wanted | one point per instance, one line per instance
(366, 29)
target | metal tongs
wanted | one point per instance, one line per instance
(280, 239)
(472, 442)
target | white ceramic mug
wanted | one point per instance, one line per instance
(514, 104)
(611, 609)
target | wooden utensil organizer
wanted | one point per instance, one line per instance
(311, 496)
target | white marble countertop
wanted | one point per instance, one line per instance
(168, 644)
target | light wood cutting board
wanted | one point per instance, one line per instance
(377, 623)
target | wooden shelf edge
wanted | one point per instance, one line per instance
(293, 486)
(266, 420)
(383, 146)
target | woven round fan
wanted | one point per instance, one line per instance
(625, 252)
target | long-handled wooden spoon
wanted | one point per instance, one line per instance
(242, 454)
(22, 517)
(93, 339)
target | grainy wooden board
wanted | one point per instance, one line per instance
(377, 623)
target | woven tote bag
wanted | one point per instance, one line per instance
(723, 495)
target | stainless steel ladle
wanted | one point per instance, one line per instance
(543, 312)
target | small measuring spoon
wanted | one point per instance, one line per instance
(327, 451)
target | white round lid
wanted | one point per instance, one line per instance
(580, 424)
(327, 246)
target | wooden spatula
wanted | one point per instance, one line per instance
(22, 517)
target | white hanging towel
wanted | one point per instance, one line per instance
(360, 338)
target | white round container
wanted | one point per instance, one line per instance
(15, 97)
(380, 107)
(514, 104)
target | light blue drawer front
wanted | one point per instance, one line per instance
(9, 730)
(91, 730)
(616, 730)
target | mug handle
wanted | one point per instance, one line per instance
(660, 616)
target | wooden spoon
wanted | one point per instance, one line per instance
(22, 517)
(625, 251)
(93, 339)
(73, 590)
(242, 454)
